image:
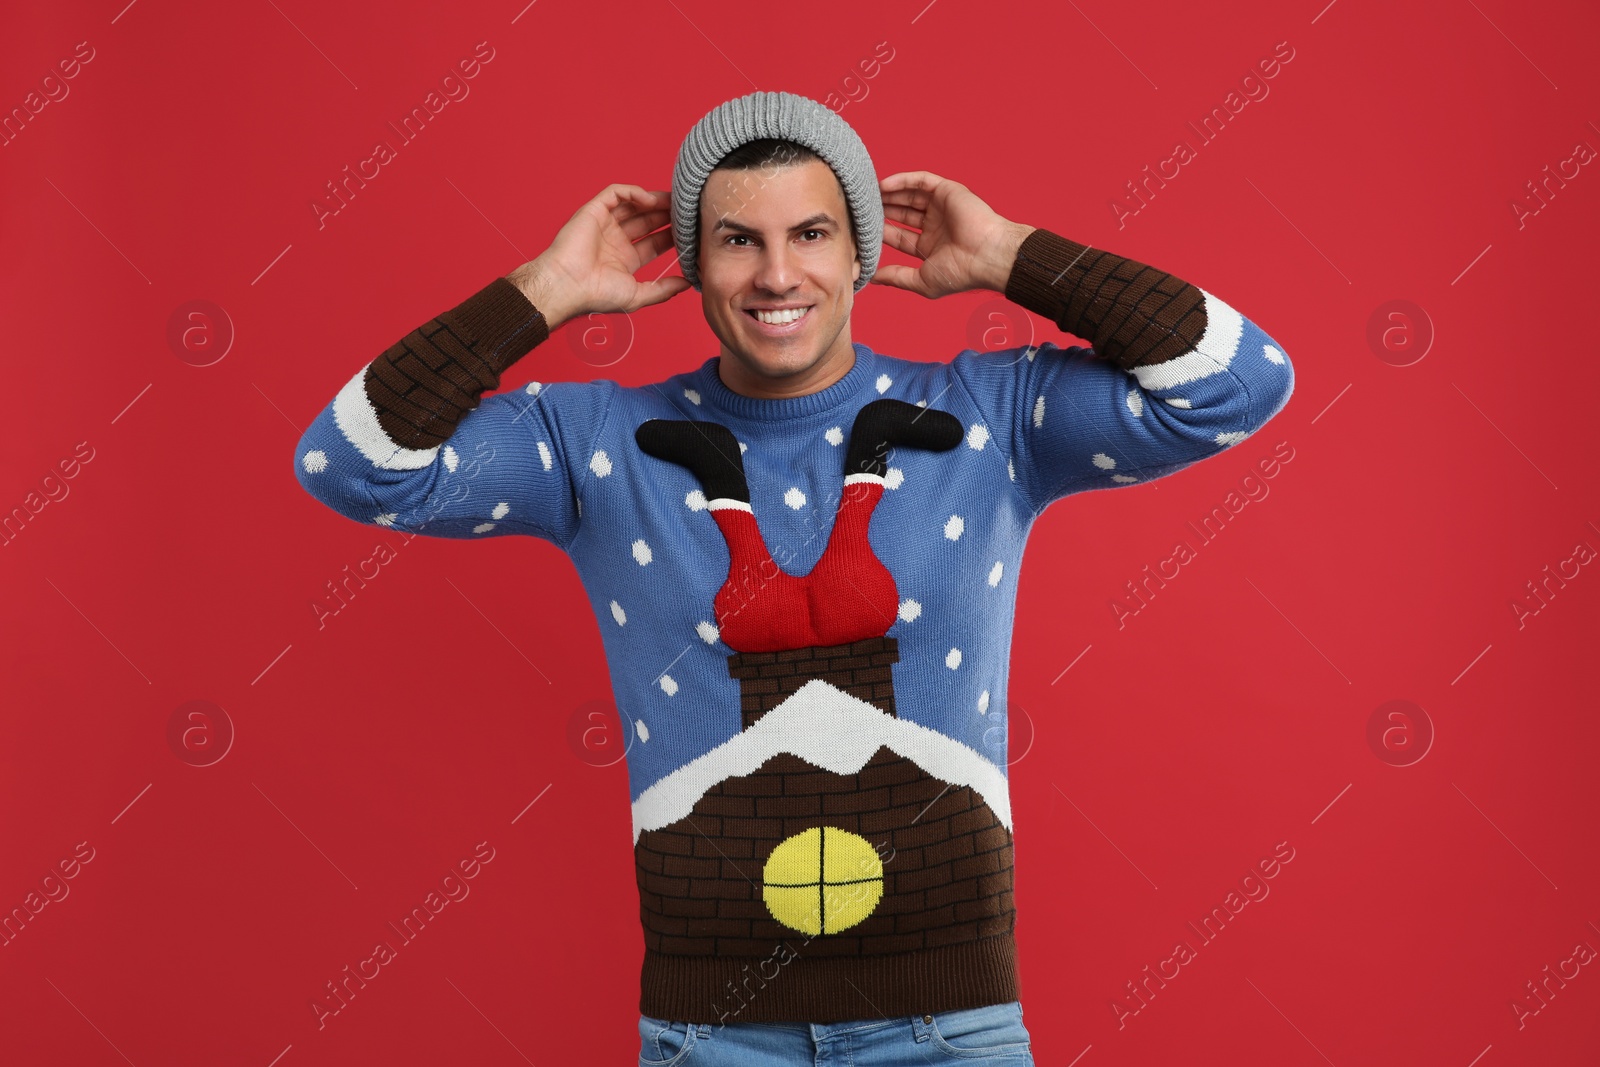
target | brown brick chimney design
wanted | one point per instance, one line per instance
(947, 859)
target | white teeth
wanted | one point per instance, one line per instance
(778, 318)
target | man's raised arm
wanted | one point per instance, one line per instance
(411, 442)
(1173, 374)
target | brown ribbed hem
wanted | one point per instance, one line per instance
(427, 381)
(1038, 273)
(500, 324)
(1131, 313)
(789, 986)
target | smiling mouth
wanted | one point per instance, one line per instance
(789, 323)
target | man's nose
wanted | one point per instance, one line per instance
(779, 270)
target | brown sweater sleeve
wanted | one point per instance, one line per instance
(428, 380)
(1132, 314)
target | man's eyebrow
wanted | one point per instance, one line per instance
(726, 223)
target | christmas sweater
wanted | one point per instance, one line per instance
(806, 603)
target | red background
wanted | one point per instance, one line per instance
(1230, 714)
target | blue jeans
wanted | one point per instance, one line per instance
(994, 1034)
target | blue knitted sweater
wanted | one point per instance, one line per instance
(807, 603)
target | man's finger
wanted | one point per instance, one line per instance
(617, 192)
(909, 179)
(663, 289)
(899, 276)
(640, 225)
(901, 240)
(630, 200)
(909, 215)
(916, 198)
(653, 245)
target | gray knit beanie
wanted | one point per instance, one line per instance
(788, 117)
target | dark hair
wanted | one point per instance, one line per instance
(771, 153)
(766, 150)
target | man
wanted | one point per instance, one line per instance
(803, 557)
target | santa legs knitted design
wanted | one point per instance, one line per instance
(834, 862)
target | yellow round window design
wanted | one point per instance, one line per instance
(822, 880)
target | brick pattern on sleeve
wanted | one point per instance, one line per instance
(1130, 313)
(427, 381)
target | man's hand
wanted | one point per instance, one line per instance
(963, 244)
(589, 266)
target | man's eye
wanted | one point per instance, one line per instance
(746, 237)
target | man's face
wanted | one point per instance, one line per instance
(778, 238)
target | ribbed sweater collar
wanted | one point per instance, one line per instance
(764, 410)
